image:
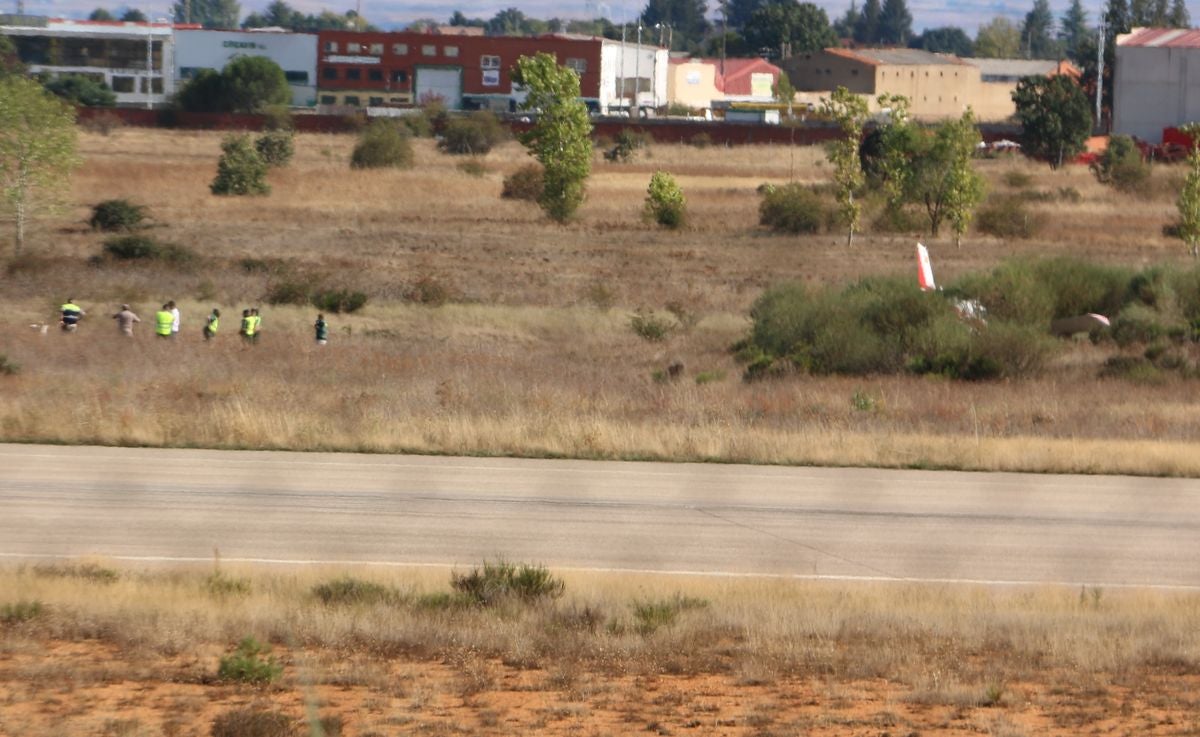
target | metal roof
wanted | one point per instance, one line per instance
(1175, 38)
(1015, 67)
(897, 57)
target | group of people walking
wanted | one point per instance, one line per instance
(166, 322)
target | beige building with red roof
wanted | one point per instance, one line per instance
(697, 83)
(1157, 81)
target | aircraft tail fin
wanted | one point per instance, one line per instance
(924, 269)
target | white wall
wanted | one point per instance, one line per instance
(296, 53)
(625, 62)
(1155, 88)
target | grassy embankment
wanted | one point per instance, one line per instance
(533, 353)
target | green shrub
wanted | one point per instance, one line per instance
(142, 248)
(899, 220)
(428, 290)
(475, 134)
(1080, 286)
(113, 215)
(278, 118)
(1008, 217)
(442, 601)
(292, 291)
(79, 89)
(250, 722)
(339, 300)
(500, 581)
(1121, 165)
(472, 168)
(709, 377)
(241, 170)
(383, 144)
(651, 615)
(221, 585)
(1138, 324)
(87, 571)
(276, 147)
(348, 591)
(248, 664)
(665, 203)
(8, 367)
(526, 183)
(21, 611)
(792, 208)
(1137, 369)
(1017, 179)
(419, 124)
(651, 327)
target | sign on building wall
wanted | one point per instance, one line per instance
(693, 77)
(491, 77)
(761, 84)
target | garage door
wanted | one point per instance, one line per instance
(444, 82)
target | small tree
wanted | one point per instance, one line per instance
(383, 144)
(475, 134)
(80, 90)
(1121, 165)
(1055, 118)
(276, 147)
(248, 84)
(241, 170)
(37, 150)
(561, 137)
(849, 111)
(664, 201)
(1189, 201)
(964, 185)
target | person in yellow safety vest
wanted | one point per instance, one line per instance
(257, 324)
(71, 315)
(247, 330)
(214, 322)
(163, 320)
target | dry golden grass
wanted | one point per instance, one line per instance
(534, 355)
(747, 655)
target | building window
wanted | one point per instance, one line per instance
(351, 100)
(399, 75)
(156, 85)
(399, 49)
(489, 62)
(294, 77)
(429, 50)
(353, 47)
(375, 75)
(122, 84)
(377, 49)
(450, 51)
(579, 65)
(331, 47)
(374, 101)
(354, 73)
(328, 100)
(329, 73)
(397, 100)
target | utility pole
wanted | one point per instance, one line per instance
(621, 70)
(150, 66)
(1102, 31)
(637, 69)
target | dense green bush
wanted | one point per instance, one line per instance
(241, 170)
(339, 300)
(651, 327)
(79, 89)
(249, 664)
(665, 203)
(276, 147)
(21, 611)
(290, 291)
(792, 208)
(526, 183)
(419, 124)
(114, 215)
(1008, 217)
(143, 248)
(476, 133)
(494, 583)
(347, 591)
(1121, 165)
(383, 144)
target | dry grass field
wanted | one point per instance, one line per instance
(126, 652)
(533, 353)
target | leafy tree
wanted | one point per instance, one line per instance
(1188, 203)
(1055, 118)
(1038, 32)
(37, 150)
(850, 112)
(787, 27)
(866, 31)
(248, 84)
(945, 40)
(203, 93)
(1178, 16)
(80, 90)
(686, 18)
(895, 23)
(665, 203)
(459, 20)
(10, 63)
(133, 15)
(384, 143)
(998, 39)
(1121, 165)
(560, 138)
(844, 27)
(963, 190)
(784, 93)
(1073, 28)
(209, 13)
(101, 14)
(738, 12)
(241, 170)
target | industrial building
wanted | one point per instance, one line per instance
(1153, 86)
(295, 53)
(135, 60)
(701, 83)
(998, 80)
(365, 69)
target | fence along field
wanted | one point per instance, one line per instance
(490, 330)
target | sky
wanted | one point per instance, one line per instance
(967, 14)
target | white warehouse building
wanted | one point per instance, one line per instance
(1157, 81)
(135, 60)
(295, 53)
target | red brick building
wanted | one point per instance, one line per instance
(381, 69)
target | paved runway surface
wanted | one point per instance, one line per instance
(807, 522)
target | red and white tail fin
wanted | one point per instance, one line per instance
(924, 269)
